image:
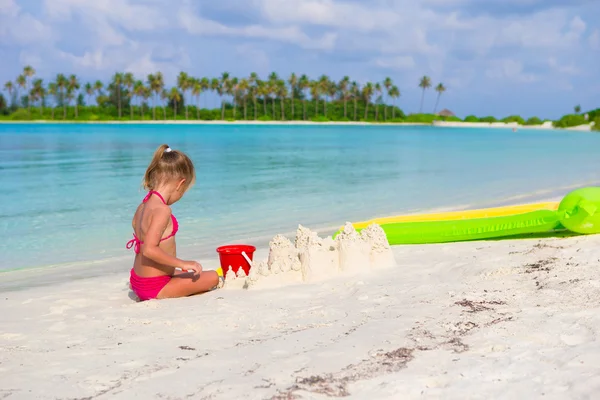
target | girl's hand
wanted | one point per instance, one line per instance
(192, 266)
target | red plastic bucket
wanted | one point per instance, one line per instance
(232, 255)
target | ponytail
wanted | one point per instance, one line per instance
(150, 171)
(168, 164)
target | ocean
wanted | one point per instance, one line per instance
(69, 190)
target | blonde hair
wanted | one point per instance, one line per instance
(168, 164)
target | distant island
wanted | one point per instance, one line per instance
(297, 98)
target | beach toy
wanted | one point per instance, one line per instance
(579, 212)
(247, 258)
(464, 214)
(237, 256)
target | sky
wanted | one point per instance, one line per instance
(496, 57)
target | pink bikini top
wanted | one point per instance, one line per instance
(136, 242)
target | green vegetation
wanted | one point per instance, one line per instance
(488, 119)
(534, 121)
(570, 120)
(251, 98)
(514, 118)
(126, 98)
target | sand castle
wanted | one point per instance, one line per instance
(312, 258)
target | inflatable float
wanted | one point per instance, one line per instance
(578, 212)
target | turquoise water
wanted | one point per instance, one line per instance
(69, 191)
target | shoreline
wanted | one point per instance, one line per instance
(18, 278)
(441, 124)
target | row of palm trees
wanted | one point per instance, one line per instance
(238, 92)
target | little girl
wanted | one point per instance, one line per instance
(157, 273)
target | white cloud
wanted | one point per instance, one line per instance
(290, 34)
(133, 17)
(8, 8)
(397, 62)
(509, 69)
(570, 69)
(547, 29)
(136, 58)
(329, 13)
(21, 28)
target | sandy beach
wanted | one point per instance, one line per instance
(478, 320)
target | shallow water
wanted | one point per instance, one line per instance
(69, 191)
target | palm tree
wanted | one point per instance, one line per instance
(332, 90)
(273, 79)
(98, 86)
(263, 90)
(282, 93)
(378, 92)
(117, 82)
(183, 83)
(129, 81)
(53, 91)
(440, 88)
(197, 91)
(577, 109)
(394, 93)
(387, 84)
(9, 87)
(221, 90)
(355, 93)
(293, 81)
(89, 91)
(28, 72)
(175, 97)
(214, 85)
(61, 86)
(204, 84)
(304, 84)
(152, 85)
(21, 84)
(146, 94)
(39, 92)
(367, 92)
(344, 91)
(164, 96)
(424, 84)
(324, 89)
(253, 82)
(315, 92)
(69, 96)
(140, 91)
(244, 87)
(72, 88)
(232, 90)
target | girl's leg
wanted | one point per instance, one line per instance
(187, 284)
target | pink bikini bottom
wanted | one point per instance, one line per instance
(147, 288)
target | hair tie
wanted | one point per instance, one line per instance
(168, 150)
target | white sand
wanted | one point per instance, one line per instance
(511, 319)
(509, 125)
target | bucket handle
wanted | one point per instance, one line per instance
(247, 258)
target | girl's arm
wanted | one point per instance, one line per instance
(150, 248)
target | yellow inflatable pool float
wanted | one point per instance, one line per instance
(577, 212)
(465, 214)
